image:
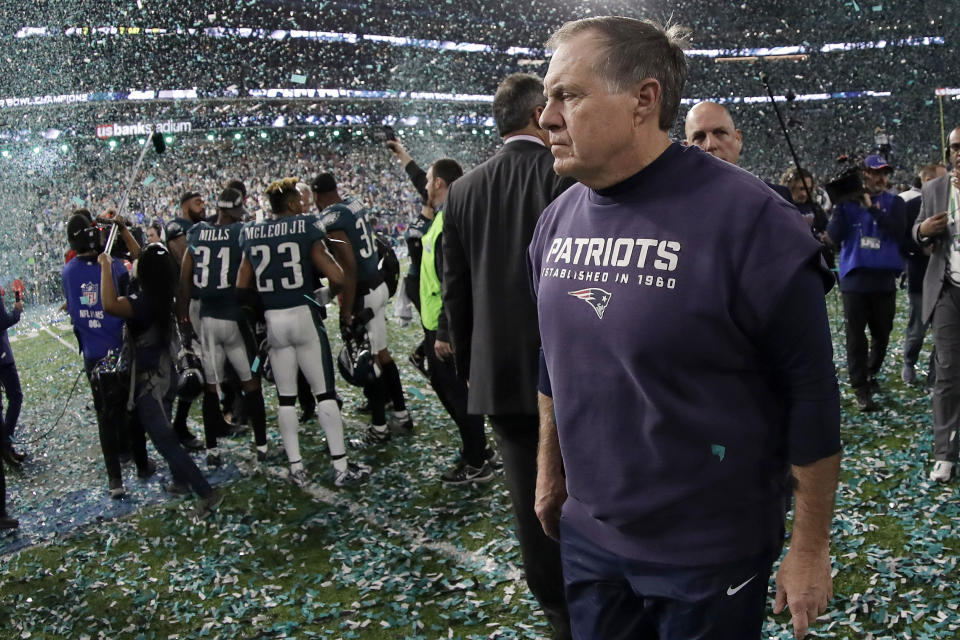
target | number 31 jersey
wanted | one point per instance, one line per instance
(350, 217)
(216, 260)
(280, 252)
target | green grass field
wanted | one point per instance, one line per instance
(402, 557)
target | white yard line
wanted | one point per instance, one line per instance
(416, 537)
(71, 347)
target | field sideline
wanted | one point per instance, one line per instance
(402, 557)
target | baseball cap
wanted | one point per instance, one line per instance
(231, 200)
(876, 162)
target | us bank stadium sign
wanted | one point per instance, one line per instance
(141, 129)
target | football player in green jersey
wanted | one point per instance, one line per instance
(209, 272)
(280, 258)
(353, 245)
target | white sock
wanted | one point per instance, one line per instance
(340, 464)
(381, 428)
(296, 466)
(262, 448)
(328, 415)
(289, 425)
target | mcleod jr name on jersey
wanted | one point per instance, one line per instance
(280, 253)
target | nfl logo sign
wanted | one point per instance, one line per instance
(89, 294)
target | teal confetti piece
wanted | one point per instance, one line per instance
(718, 450)
(298, 78)
(80, 202)
(148, 180)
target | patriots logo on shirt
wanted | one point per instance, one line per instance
(89, 292)
(596, 298)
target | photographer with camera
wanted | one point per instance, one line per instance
(99, 334)
(868, 225)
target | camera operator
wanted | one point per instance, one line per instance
(98, 334)
(869, 231)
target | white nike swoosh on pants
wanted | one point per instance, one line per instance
(733, 590)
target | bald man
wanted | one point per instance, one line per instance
(710, 127)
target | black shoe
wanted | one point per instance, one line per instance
(11, 460)
(6, 522)
(214, 460)
(147, 470)
(494, 459)
(865, 400)
(19, 457)
(462, 473)
(307, 416)
(192, 443)
(125, 459)
(177, 488)
(206, 506)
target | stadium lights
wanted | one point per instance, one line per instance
(263, 134)
(113, 144)
(142, 141)
(311, 133)
(336, 133)
(168, 139)
(64, 148)
(237, 135)
(210, 136)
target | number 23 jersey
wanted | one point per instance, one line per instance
(280, 252)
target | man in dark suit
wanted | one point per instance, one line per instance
(937, 227)
(489, 220)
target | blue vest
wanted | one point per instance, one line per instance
(867, 246)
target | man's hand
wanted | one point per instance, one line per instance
(934, 225)
(104, 260)
(444, 350)
(398, 150)
(548, 503)
(18, 305)
(804, 584)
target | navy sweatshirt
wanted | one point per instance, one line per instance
(685, 334)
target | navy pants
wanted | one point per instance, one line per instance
(10, 381)
(150, 412)
(612, 598)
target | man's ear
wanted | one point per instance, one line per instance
(647, 94)
(537, 112)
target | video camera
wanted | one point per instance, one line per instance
(847, 184)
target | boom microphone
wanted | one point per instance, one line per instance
(159, 144)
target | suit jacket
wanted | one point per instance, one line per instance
(489, 220)
(934, 196)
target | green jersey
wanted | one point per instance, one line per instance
(216, 260)
(280, 252)
(350, 217)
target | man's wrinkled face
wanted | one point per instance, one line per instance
(711, 128)
(590, 128)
